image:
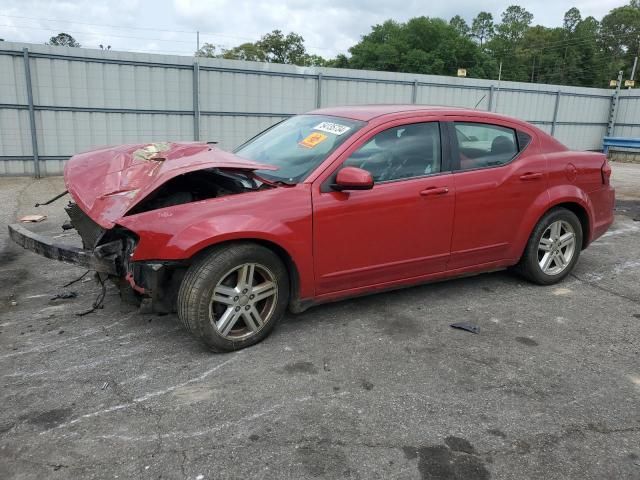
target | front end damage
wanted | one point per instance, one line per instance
(108, 252)
(111, 184)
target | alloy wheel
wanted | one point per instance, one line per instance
(243, 301)
(557, 247)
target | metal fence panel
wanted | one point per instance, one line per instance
(455, 97)
(574, 109)
(581, 137)
(15, 139)
(231, 131)
(87, 98)
(352, 92)
(246, 92)
(627, 131)
(12, 85)
(629, 110)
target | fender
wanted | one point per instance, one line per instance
(181, 231)
(548, 199)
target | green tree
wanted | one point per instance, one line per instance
(63, 40)
(207, 50)
(482, 27)
(274, 47)
(459, 25)
(572, 18)
(246, 51)
(515, 22)
(620, 36)
(421, 45)
(280, 48)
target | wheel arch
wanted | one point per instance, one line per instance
(282, 253)
(573, 199)
(582, 214)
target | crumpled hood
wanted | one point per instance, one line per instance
(106, 183)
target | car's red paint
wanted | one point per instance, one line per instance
(352, 178)
(107, 183)
(349, 242)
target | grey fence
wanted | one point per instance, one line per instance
(57, 101)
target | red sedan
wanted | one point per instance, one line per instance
(331, 204)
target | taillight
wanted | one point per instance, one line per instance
(606, 172)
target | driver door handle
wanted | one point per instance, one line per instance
(531, 176)
(434, 191)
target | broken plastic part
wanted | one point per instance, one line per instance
(64, 295)
(469, 327)
(60, 195)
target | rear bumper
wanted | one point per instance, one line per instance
(604, 202)
(104, 259)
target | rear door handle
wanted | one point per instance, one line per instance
(531, 176)
(434, 191)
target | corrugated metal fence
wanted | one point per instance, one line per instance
(57, 101)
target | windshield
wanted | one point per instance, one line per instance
(297, 145)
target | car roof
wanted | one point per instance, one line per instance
(368, 112)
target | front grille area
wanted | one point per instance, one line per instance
(89, 231)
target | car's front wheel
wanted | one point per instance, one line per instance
(553, 248)
(234, 296)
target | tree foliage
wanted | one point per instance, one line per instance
(274, 47)
(582, 51)
(63, 40)
(460, 25)
(421, 45)
(482, 27)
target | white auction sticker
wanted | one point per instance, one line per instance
(334, 128)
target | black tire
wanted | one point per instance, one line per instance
(197, 287)
(529, 266)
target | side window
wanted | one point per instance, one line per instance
(401, 152)
(483, 145)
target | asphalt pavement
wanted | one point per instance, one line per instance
(376, 387)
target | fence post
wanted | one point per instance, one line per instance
(196, 101)
(490, 106)
(414, 92)
(319, 91)
(32, 114)
(613, 108)
(554, 121)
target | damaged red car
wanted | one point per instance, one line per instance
(327, 205)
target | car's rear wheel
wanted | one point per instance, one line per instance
(553, 248)
(234, 296)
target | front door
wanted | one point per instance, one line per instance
(398, 230)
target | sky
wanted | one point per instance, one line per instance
(168, 26)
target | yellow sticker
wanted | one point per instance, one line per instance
(313, 139)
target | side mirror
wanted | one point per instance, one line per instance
(352, 178)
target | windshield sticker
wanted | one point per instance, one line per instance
(313, 139)
(334, 128)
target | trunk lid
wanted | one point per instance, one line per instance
(106, 183)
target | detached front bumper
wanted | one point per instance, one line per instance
(104, 259)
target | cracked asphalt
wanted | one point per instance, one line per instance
(377, 387)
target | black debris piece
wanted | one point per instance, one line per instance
(64, 295)
(469, 327)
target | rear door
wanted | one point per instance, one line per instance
(498, 174)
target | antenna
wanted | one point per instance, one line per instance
(480, 101)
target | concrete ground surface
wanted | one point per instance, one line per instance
(377, 387)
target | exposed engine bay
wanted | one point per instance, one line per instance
(155, 282)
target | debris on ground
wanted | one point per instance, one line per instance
(33, 218)
(99, 301)
(64, 296)
(469, 327)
